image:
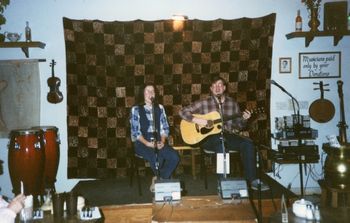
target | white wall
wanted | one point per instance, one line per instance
(45, 19)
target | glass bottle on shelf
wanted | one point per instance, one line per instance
(298, 22)
(28, 32)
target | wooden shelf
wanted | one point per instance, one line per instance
(309, 36)
(24, 45)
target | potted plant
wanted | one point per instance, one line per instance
(3, 5)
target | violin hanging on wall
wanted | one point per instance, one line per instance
(54, 96)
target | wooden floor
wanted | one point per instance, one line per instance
(135, 213)
(116, 196)
(119, 191)
(120, 202)
(140, 213)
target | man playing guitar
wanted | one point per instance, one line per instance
(234, 120)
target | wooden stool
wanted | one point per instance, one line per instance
(333, 194)
(134, 169)
(235, 164)
(193, 157)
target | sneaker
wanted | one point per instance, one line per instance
(151, 188)
(256, 183)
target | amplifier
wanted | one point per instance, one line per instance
(233, 187)
(289, 142)
(167, 190)
(290, 133)
(292, 157)
(299, 150)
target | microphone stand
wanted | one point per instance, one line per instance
(222, 136)
(155, 139)
(259, 185)
(297, 127)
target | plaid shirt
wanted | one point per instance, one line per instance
(233, 119)
(135, 122)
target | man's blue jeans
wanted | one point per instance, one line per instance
(168, 158)
(234, 142)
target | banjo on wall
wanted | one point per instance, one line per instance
(321, 110)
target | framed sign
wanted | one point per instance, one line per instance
(319, 65)
(285, 65)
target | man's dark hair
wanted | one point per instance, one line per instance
(217, 78)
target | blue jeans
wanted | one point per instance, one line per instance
(234, 142)
(168, 158)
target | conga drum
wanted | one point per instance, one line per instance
(52, 154)
(26, 160)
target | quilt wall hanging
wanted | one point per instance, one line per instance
(108, 61)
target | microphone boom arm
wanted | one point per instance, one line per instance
(290, 95)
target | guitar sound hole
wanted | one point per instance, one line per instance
(219, 126)
(205, 130)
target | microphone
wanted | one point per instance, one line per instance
(280, 87)
(285, 91)
(152, 99)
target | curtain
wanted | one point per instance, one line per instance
(19, 95)
(107, 62)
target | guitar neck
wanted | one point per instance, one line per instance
(253, 111)
(217, 121)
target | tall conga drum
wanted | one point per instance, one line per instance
(52, 154)
(26, 160)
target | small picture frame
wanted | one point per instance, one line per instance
(285, 65)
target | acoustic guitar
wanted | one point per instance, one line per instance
(193, 133)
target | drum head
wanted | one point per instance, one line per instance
(25, 131)
(45, 128)
(322, 110)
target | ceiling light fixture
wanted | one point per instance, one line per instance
(178, 17)
(178, 22)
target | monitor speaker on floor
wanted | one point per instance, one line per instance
(167, 190)
(230, 188)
